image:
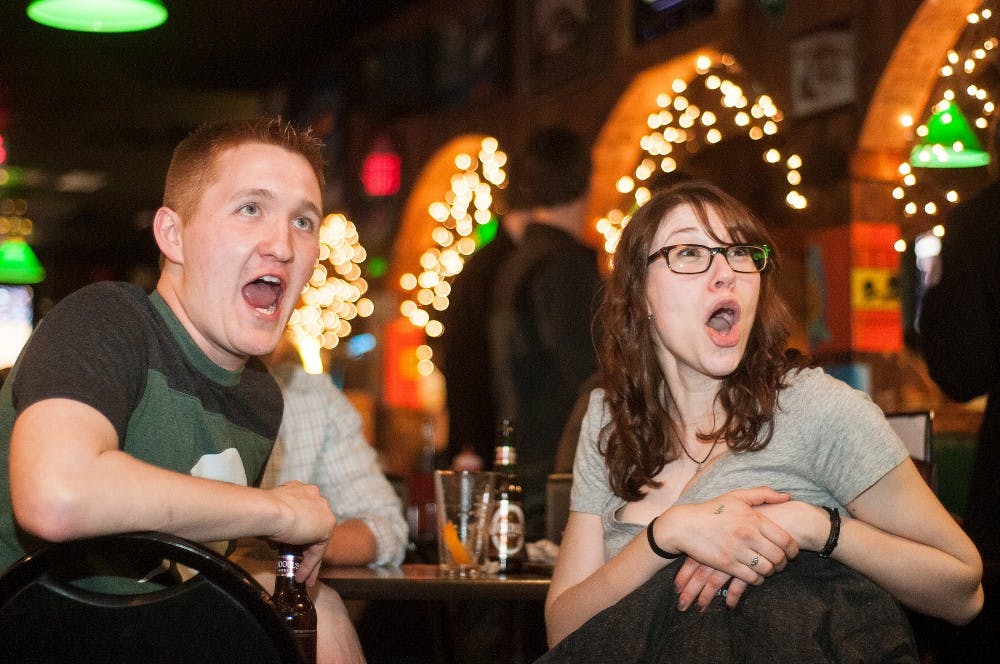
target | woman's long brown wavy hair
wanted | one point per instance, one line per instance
(635, 391)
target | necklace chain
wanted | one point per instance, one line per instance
(699, 463)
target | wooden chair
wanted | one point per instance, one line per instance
(219, 614)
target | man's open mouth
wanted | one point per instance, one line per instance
(263, 294)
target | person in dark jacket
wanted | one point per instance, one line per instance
(540, 335)
(472, 416)
(960, 333)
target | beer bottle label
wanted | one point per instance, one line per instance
(288, 564)
(507, 528)
(306, 639)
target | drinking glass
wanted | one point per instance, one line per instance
(463, 506)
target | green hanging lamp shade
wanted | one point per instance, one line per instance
(18, 263)
(950, 141)
(98, 15)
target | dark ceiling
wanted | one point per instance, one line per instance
(89, 120)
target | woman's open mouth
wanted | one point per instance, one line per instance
(723, 324)
(722, 319)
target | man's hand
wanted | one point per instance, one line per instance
(306, 520)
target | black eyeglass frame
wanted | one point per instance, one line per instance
(712, 252)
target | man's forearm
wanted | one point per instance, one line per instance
(352, 543)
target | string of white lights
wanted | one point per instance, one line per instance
(329, 302)
(925, 194)
(678, 120)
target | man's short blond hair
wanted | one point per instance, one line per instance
(191, 168)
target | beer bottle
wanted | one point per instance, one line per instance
(421, 507)
(507, 523)
(293, 602)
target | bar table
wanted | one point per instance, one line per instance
(423, 582)
(520, 598)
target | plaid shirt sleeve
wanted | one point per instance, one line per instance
(321, 442)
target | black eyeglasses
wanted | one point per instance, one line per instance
(696, 258)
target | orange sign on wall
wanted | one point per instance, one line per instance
(399, 364)
(876, 321)
(852, 289)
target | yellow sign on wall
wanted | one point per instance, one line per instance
(875, 289)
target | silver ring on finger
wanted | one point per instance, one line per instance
(753, 562)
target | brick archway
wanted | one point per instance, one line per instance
(616, 150)
(904, 89)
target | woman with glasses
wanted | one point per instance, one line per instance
(713, 456)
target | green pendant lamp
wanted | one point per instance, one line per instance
(18, 263)
(98, 15)
(950, 141)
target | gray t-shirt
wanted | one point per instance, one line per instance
(830, 443)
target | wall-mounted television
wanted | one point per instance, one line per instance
(655, 17)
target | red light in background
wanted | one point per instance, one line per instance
(380, 173)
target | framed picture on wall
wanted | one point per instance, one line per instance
(487, 56)
(565, 39)
(823, 71)
(449, 61)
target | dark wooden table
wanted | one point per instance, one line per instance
(424, 582)
(416, 610)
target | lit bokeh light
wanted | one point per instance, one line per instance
(334, 295)
(464, 221)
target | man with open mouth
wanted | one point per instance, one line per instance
(129, 411)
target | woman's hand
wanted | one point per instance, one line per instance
(808, 524)
(700, 584)
(726, 537)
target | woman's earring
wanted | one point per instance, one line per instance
(650, 316)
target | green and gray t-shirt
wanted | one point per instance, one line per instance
(124, 353)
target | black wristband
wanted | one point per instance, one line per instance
(656, 547)
(831, 541)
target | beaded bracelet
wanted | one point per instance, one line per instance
(656, 547)
(831, 541)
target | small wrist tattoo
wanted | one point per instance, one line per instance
(720, 509)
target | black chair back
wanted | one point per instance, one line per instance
(916, 429)
(557, 488)
(219, 614)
